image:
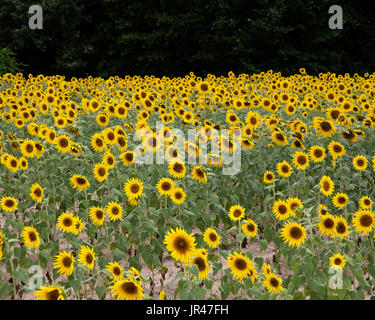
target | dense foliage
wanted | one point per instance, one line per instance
(165, 37)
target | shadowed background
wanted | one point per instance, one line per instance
(174, 37)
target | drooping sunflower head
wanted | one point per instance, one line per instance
(199, 174)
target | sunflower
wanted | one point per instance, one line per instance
(336, 149)
(127, 158)
(327, 225)
(102, 119)
(100, 172)
(79, 182)
(177, 169)
(114, 210)
(266, 269)
(115, 269)
(360, 163)
(64, 262)
(87, 257)
(180, 244)
(12, 163)
(30, 237)
(49, 293)
(211, 238)
(165, 186)
(317, 153)
(127, 289)
(281, 209)
(284, 169)
(109, 136)
(133, 188)
(23, 163)
(337, 261)
(162, 295)
(249, 228)
(9, 204)
(326, 186)
(178, 195)
(363, 221)
(28, 149)
(273, 283)
(294, 234)
(65, 222)
(294, 204)
(279, 138)
(240, 265)
(365, 203)
(340, 200)
(63, 143)
(322, 210)
(268, 177)
(236, 212)
(97, 142)
(200, 261)
(325, 128)
(342, 229)
(78, 225)
(199, 174)
(97, 215)
(109, 160)
(36, 192)
(300, 160)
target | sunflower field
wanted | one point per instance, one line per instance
(82, 217)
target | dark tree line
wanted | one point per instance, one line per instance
(174, 37)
